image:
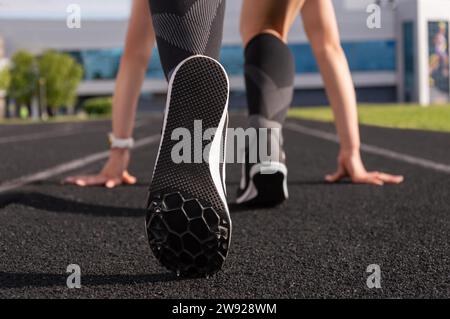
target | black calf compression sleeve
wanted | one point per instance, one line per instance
(187, 27)
(269, 78)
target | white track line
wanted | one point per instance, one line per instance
(56, 133)
(371, 149)
(69, 166)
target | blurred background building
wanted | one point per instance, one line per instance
(406, 59)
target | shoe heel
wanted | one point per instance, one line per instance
(187, 236)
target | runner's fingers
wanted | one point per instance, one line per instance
(111, 183)
(390, 179)
(369, 178)
(332, 178)
(98, 180)
(128, 179)
(90, 180)
(77, 180)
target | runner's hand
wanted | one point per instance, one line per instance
(350, 165)
(113, 174)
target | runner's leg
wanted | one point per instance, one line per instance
(269, 79)
(187, 27)
(188, 222)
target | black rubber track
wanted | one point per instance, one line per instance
(317, 244)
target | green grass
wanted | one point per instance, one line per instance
(432, 118)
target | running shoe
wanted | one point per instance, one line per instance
(188, 223)
(264, 180)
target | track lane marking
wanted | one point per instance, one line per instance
(56, 133)
(371, 149)
(69, 166)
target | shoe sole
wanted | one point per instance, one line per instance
(188, 224)
(268, 189)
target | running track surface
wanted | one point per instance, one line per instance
(318, 244)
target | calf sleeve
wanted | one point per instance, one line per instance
(269, 79)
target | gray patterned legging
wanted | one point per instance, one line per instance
(187, 27)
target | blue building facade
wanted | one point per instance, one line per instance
(363, 56)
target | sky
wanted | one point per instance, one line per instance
(56, 9)
(108, 9)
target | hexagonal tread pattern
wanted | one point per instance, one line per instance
(186, 236)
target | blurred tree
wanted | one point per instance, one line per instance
(23, 78)
(61, 75)
(5, 79)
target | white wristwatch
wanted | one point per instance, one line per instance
(120, 142)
